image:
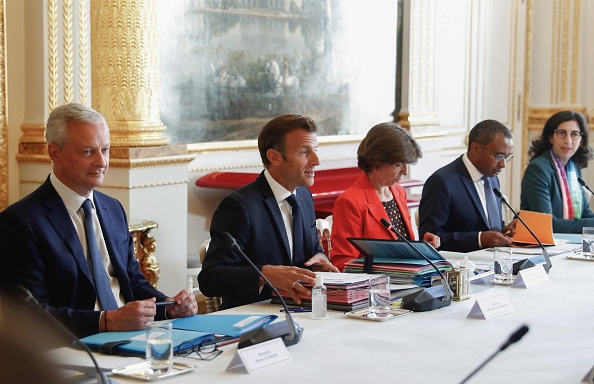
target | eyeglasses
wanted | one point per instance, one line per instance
(499, 157)
(562, 134)
(206, 350)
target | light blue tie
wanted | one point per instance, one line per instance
(104, 292)
(492, 210)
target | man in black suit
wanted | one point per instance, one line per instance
(44, 243)
(260, 219)
(455, 198)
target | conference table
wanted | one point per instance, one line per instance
(425, 347)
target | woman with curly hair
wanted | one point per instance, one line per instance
(550, 183)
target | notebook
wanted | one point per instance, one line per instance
(540, 223)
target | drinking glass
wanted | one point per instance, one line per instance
(159, 347)
(379, 296)
(588, 241)
(503, 266)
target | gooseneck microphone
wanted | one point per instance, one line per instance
(583, 184)
(27, 298)
(514, 338)
(289, 331)
(529, 262)
(429, 298)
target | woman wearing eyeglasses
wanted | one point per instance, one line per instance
(550, 183)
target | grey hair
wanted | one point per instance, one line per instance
(56, 132)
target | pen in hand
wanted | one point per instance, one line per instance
(164, 303)
(296, 310)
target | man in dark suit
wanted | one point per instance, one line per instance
(45, 247)
(458, 203)
(260, 219)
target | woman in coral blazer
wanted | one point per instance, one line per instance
(384, 155)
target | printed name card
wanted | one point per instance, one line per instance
(260, 356)
(490, 307)
(531, 277)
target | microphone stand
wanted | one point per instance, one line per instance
(444, 283)
(526, 263)
(25, 295)
(515, 337)
(254, 337)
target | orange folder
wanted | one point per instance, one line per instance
(540, 223)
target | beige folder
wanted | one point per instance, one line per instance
(540, 223)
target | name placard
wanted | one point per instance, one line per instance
(260, 356)
(490, 307)
(531, 277)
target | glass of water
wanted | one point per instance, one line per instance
(503, 266)
(159, 347)
(588, 241)
(379, 296)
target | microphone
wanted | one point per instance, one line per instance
(27, 298)
(583, 184)
(531, 261)
(426, 299)
(515, 337)
(289, 331)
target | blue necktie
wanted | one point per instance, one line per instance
(298, 256)
(492, 210)
(104, 292)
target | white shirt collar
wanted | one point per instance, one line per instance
(71, 199)
(475, 175)
(280, 192)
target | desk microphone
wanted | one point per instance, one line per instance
(583, 184)
(27, 298)
(531, 261)
(515, 337)
(426, 299)
(289, 331)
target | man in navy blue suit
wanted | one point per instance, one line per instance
(456, 198)
(44, 245)
(260, 219)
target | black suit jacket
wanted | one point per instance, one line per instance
(252, 216)
(451, 208)
(41, 251)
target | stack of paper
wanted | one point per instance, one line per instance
(402, 271)
(345, 291)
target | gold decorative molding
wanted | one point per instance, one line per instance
(125, 70)
(52, 52)
(3, 121)
(68, 52)
(83, 52)
(145, 246)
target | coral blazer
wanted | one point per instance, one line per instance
(357, 213)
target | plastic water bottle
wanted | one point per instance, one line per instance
(318, 298)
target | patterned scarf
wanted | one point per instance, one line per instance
(571, 194)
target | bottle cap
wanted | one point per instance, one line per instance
(319, 279)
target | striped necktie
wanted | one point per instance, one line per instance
(104, 292)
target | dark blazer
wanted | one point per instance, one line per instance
(252, 216)
(541, 192)
(451, 208)
(41, 251)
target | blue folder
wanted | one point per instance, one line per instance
(229, 325)
(133, 343)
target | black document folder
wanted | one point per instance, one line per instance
(395, 251)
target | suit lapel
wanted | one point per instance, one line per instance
(59, 219)
(277, 219)
(374, 205)
(468, 184)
